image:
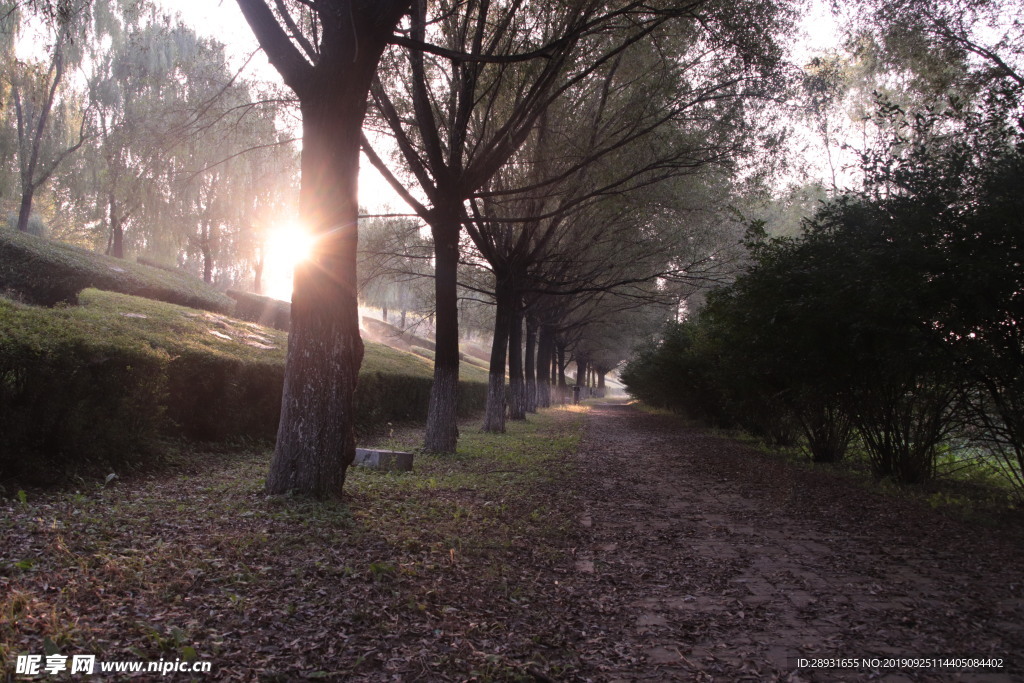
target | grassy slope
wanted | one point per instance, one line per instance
(105, 315)
(48, 271)
(281, 588)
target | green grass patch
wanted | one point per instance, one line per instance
(46, 272)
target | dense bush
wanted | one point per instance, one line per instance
(262, 309)
(95, 385)
(896, 316)
(70, 402)
(45, 272)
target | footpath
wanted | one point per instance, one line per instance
(707, 560)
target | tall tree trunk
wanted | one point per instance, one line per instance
(25, 211)
(316, 438)
(504, 295)
(207, 250)
(517, 387)
(116, 228)
(560, 369)
(442, 433)
(545, 353)
(530, 364)
(581, 373)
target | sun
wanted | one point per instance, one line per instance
(286, 246)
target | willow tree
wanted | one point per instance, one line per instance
(50, 124)
(327, 53)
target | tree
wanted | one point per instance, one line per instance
(327, 53)
(394, 267)
(499, 70)
(49, 126)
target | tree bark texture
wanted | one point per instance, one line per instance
(560, 369)
(442, 433)
(516, 385)
(494, 415)
(316, 438)
(530, 365)
(545, 352)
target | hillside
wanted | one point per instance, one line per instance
(46, 272)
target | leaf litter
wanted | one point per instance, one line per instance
(646, 551)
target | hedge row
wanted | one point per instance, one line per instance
(46, 272)
(262, 309)
(96, 385)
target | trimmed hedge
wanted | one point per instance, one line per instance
(45, 272)
(262, 309)
(96, 385)
(70, 402)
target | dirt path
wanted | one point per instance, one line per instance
(707, 560)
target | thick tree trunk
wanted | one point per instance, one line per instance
(530, 364)
(494, 417)
(517, 387)
(442, 434)
(545, 349)
(316, 439)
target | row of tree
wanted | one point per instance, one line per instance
(125, 131)
(565, 140)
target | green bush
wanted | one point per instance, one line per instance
(95, 385)
(45, 272)
(69, 402)
(262, 309)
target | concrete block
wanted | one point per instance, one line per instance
(389, 461)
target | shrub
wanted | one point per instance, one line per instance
(70, 402)
(45, 272)
(96, 384)
(262, 309)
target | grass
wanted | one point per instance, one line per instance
(414, 574)
(177, 329)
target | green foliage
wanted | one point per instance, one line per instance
(677, 373)
(74, 402)
(44, 272)
(262, 309)
(898, 313)
(95, 385)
